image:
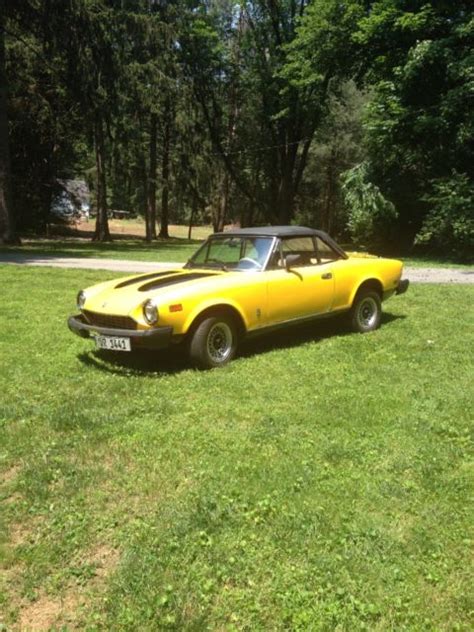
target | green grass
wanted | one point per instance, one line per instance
(319, 482)
(177, 248)
(133, 249)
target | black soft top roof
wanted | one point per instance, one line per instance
(283, 231)
(275, 231)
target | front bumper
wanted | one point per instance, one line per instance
(402, 286)
(156, 338)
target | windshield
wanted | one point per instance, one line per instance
(235, 252)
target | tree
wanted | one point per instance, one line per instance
(420, 122)
(288, 112)
(237, 112)
(337, 147)
(449, 225)
(208, 53)
(145, 87)
(89, 34)
(46, 125)
(416, 57)
(150, 215)
(261, 120)
(7, 228)
(370, 216)
(321, 59)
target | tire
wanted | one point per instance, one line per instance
(213, 343)
(366, 312)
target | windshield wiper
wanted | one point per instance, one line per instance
(210, 263)
(220, 263)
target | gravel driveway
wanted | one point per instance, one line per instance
(416, 275)
(439, 275)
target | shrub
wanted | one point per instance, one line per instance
(370, 216)
(449, 226)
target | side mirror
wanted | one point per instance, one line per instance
(292, 260)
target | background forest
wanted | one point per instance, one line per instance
(352, 116)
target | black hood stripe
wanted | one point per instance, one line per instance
(147, 277)
(174, 280)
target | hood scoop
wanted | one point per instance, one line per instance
(174, 280)
(147, 277)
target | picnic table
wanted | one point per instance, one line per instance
(116, 214)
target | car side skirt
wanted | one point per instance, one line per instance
(294, 322)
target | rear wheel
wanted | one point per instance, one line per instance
(366, 312)
(213, 343)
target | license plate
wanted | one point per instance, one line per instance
(112, 343)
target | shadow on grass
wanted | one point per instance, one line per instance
(165, 361)
(174, 360)
(51, 249)
(299, 335)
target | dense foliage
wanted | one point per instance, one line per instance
(449, 225)
(251, 112)
(370, 216)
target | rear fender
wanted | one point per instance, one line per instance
(370, 282)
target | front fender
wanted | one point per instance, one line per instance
(209, 304)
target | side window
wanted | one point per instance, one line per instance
(275, 260)
(303, 246)
(326, 253)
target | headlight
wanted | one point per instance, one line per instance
(81, 299)
(150, 312)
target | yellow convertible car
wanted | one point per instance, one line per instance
(239, 283)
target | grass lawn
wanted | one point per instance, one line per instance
(174, 249)
(133, 249)
(126, 244)
(319, 482)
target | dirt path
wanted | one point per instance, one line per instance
(416, 275)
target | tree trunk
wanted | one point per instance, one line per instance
(286, 197)
(224, 204)
(193, 215)
(220, 210)
(247, 214)
(7, 228)
(330, 186)
(151, 188)
(102, 232)
(165, 174)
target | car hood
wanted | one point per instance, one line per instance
(121, 296)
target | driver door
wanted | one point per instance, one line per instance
(307, 289)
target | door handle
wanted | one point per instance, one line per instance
(326, 275)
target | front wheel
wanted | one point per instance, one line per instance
(366, 312)
(213, 343)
